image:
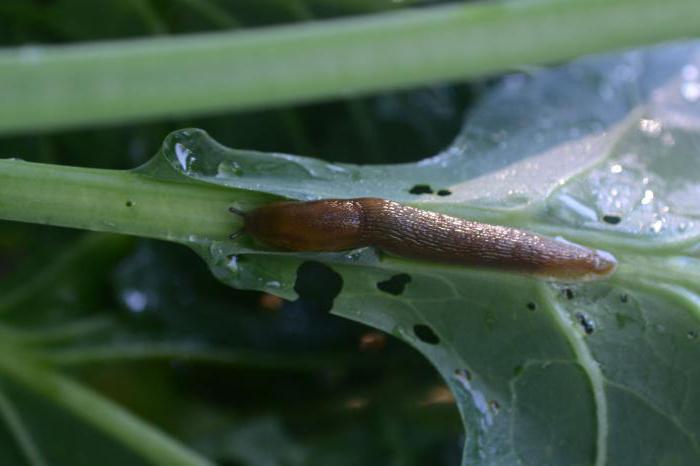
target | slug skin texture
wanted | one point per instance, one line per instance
(342, 224)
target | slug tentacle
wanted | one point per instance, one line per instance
(341, 224)
(236, 211)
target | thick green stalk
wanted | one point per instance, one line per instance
(64, 86)
(115, 201)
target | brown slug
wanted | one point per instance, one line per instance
(343, 224)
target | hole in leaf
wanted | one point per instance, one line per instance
(444, 192)
(395, 285)
(612, 219)
(426, 334)
(317, 285)
(421, 189)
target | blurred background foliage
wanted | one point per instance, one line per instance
(240, 376)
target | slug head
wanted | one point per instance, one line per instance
(327, 225)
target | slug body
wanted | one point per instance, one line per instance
(342, 224)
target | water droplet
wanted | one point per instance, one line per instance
(477, 398)
(183, 156)
(495, 406)
(648, 197)
(578, 208)
(657, 226)
(667, 139)
(135, 300)
(690, 91)
(692, 335)
(586, 323)
(229, 168)
(690, 73)
(616, 168)
(650, 126)
(232, 263)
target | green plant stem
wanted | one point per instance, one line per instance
(64, 86)
(98, 411)
(148, 351)
(115, 201)
(15, 424)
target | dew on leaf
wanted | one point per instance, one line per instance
(691, 91)
(657, 226)
(232, 263)
(690, 72)
(184, 156)
(650, 126)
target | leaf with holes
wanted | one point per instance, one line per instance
(603, 152)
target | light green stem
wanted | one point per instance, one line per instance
(115, 201)
(64, 86)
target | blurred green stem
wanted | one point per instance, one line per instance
(18, 429)
(115, 201)
(255, 359)
(64, 86)
(98, 411)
